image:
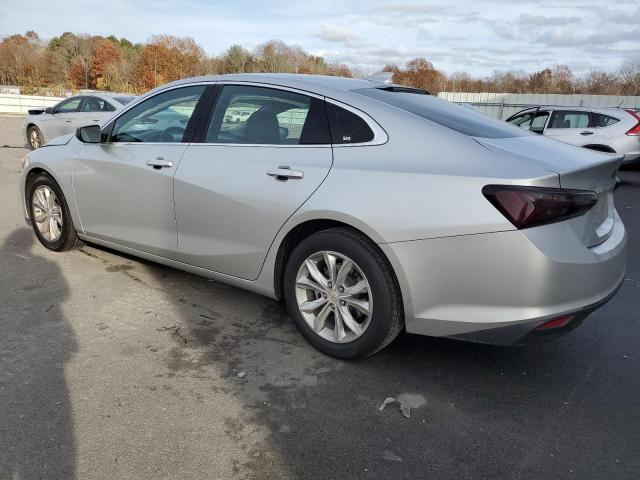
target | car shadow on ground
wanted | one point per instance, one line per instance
(36, 433)
(477, 410)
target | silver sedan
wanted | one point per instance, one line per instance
(368, 208)
(41, 125)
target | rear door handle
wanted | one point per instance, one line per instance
(159, 163)
(586, 133)
(285, 173)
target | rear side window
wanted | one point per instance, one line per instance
(95, 104)
(569, 119)
(347, 127)
(447, 114)
(602, 120)
(252, 115)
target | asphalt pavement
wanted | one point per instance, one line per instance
(114, 367)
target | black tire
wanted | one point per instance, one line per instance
(68, 239)
(38, 133)
(387, 316)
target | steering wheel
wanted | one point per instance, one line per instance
(169, 134)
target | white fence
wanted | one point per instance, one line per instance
(503, 105)
(19, 104)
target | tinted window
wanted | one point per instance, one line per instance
(68, 106)
(523, 120)
(258, 115)
(455, 117)
(602, 120)
(568, 119)
(161, 118)
(94, 104)
(347, 127)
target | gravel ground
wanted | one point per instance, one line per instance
(113, 367)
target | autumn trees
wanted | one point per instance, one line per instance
(72, 61)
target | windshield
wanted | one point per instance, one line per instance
(464, 120)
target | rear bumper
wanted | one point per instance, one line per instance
(499, 287)
(630, 158)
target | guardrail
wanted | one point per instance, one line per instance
(19, 104)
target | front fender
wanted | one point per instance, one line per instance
(56, 161)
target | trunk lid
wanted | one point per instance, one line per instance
(577, 168)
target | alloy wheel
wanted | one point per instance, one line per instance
(47, 213)
(34, 138)
(334, 296)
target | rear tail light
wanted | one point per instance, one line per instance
(527, 207)
(556, 323)
(635, 130)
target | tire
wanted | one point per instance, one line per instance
(34, 137)
(56, 208)
(368, 267)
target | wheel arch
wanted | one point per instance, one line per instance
(600, 148)
(298, 232)
(34, 170)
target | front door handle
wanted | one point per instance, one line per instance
(285, 173)
(586, 133)
(159, 163)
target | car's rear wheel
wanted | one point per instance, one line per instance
(342, 294)
(50, 215)
(36, 140)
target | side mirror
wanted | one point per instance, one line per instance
(48, 110)
(284, 133)
(89, 134)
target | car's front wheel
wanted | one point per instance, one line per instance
(342, 294)
(50, 215)
(34, 135)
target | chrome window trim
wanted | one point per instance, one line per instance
(380, 136)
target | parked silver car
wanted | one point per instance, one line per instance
(367, 207)
(612, 130)
(41, 125)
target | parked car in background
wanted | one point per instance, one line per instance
(42, 125)
(612, 130)
(368, 208)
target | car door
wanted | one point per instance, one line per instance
(124, 186)
(571, 126)
(60, 122)
(239, 182)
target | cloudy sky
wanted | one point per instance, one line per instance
(475, 36)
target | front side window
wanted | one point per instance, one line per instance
(539, 121)
(162, 118)
(257, 115)
(569, 119)
(522, 121)
(68, 106)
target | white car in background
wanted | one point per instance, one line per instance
(42, 125)
(612, 130)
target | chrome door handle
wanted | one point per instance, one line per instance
(285, 173)
(159, 163)
(586, 133)
(68, 121)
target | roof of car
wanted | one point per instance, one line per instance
(319, 84)
(609, 110)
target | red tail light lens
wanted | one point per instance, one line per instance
(527, 207)
(635, 130)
